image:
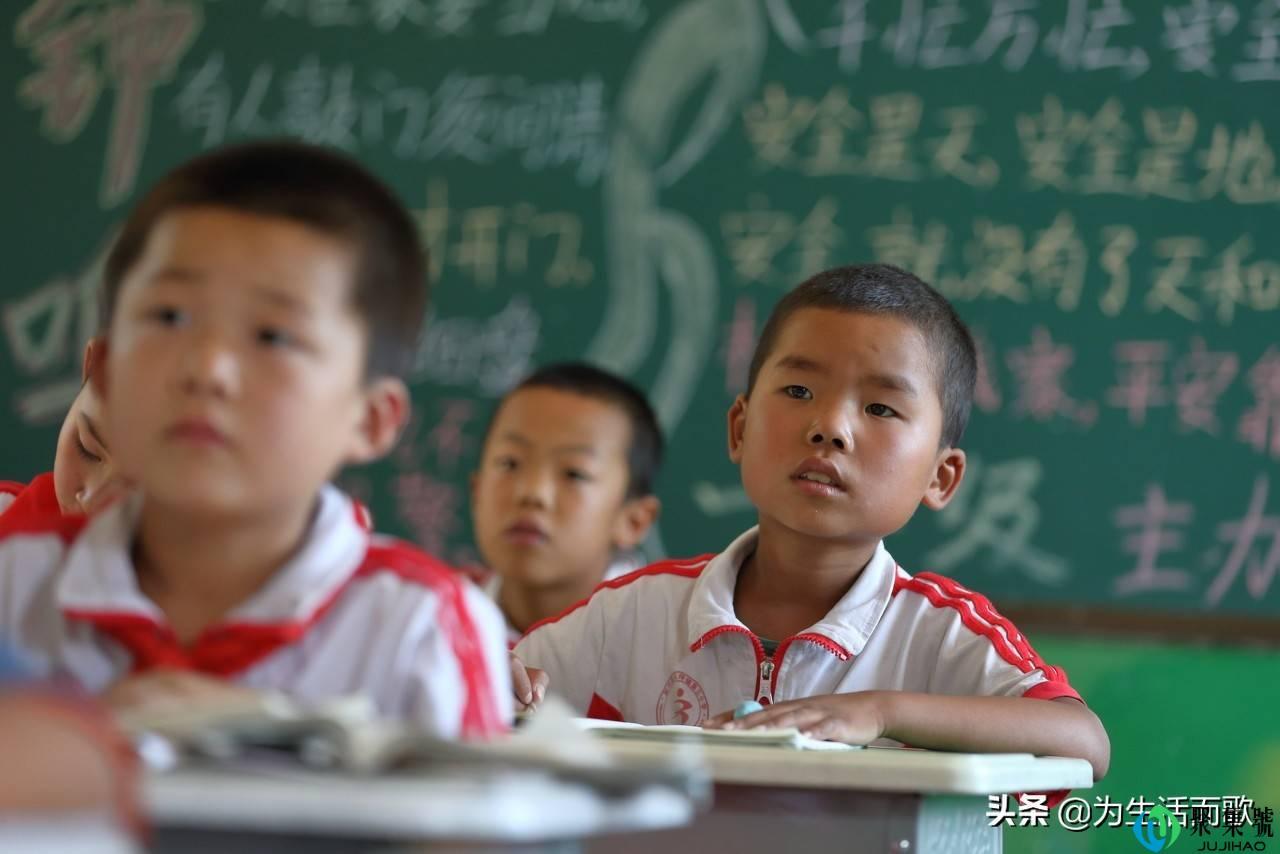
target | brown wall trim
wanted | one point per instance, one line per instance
(1231, 629)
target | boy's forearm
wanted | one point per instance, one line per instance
(1060, 727)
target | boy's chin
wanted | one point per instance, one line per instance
(210, 498)
(830, 527)
(536, 576)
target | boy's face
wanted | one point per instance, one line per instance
(233, 377)
(84, 471)
(839, 439)
(548, 498)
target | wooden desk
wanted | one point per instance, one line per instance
(876, 799)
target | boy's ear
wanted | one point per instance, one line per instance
(634, 521)
(947, 474)
(737, 423)
(95, 366)
(95, 353)
(386, 412)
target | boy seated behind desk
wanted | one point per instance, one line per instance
(858, 394)
(564, 488)
(260, 304)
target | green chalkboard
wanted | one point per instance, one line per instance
(636, 182)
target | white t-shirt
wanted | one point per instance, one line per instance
(492, 585)
(350, 613)
(663, 645)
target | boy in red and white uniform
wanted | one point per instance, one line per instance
(564, 489)
(262, 302)
(858, 395)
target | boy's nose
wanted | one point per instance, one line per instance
(839, 442)
(831, 429)
(534, 490)
(209, 366)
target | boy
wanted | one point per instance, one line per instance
(858, 394)
(260, 304)
(83, 479)
(565, 484)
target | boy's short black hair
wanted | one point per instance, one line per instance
(644, 456)
(884, 289)
(316, 187)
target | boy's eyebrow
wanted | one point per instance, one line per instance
(894, 382)
(284, 299)
(187, 275)
(521, 439)
(93, 429)
(801, 363)
(179, 274)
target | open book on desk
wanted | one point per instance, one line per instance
(347, 737)
(788, 738)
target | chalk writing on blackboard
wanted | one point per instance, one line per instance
(1159, 150)
(531, 17)
(457, 18)
(757, 236)
(475, 118)
(1205, 37)
(1041, 369)
(1246, 552)
(440, 18)
(130, 47)
(739, 345)
(46, 329)
(1023, 263)
(486, 355)
(489, 244)
(993, 520)
(1188, 380)
(711, 48)
(715, 500)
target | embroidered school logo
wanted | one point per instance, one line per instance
(682, 701)
(1157, 830)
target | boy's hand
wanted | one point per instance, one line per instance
(852, 718)
(528, 683)
(160, 689)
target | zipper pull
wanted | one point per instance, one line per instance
(766, 677)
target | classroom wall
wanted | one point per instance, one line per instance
(1183, 720)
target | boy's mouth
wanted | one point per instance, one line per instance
(525, 533)
(197, 431)
(820, 475)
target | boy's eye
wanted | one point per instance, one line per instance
(167, 315)
(505, 463)
(273, 337)
(84, 452)
(577, 474)
(880, 410)
(799, 392)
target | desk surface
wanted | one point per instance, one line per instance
(882, 769)
(515, 806)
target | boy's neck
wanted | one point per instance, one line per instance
(525, 605)
(196, 570)
(792, 580)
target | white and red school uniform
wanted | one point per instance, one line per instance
(40, 493)
(491, 583)
(662, 645)
(350, 613)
